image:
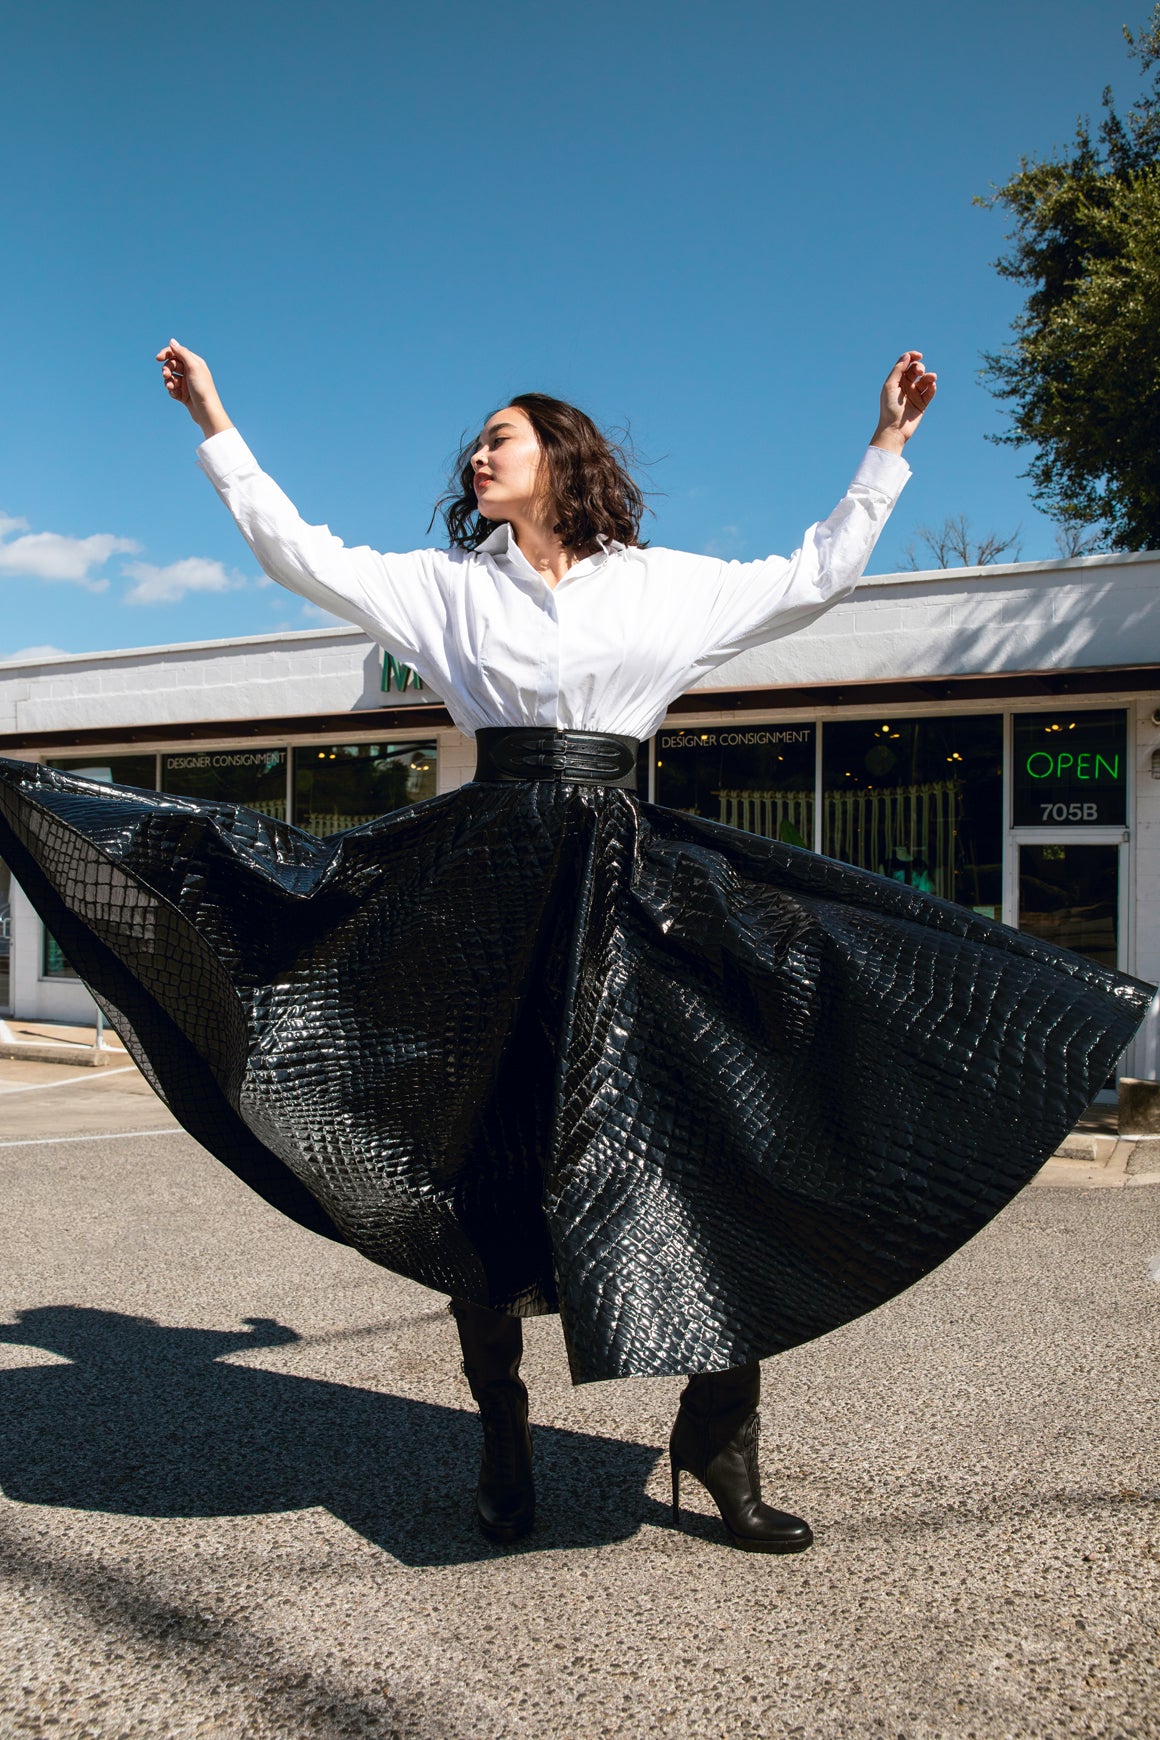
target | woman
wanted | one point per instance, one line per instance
(706, 1095)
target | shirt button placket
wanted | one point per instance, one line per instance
(549, 701)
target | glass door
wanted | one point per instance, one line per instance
(1069, 894)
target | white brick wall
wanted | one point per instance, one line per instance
(1029, 616)
(329, 670)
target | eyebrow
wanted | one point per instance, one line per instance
(493, 427)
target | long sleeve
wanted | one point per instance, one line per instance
(753, 602)
(388, 595)
(607, 649)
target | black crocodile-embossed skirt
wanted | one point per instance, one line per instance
(549, 1047)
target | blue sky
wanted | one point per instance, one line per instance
(719, 221)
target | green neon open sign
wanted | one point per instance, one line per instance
(1070, 768)
(1087, 764)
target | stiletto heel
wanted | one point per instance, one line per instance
(714, 1438)
(676, 1474)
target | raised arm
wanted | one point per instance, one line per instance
(754, 602)
(387, 595)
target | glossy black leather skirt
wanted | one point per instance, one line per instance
(546, 1046)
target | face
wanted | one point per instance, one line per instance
(508, 465)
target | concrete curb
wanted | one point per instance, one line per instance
(89, 1058)
(1098, 1162)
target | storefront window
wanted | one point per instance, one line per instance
(253, 777)
(760, 778)
(5, 936)
(340, 785)
(1070, 768)
(138, 770)
(919, 800)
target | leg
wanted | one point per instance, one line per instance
(715, 1439)
(492, 1346)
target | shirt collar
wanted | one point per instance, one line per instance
(496, 543)
(502, 543)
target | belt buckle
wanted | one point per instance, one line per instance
(555, 758)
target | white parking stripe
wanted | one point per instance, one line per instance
(101, 1136)
(42, 1087)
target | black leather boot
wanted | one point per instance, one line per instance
(715, 1439)
(492, 1345)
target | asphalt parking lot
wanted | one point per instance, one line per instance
(236, 1466)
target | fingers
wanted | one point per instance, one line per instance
(176, 383)
(910, 383)
(178, 355)
(921, 389)
(909, 359)
(175, 360)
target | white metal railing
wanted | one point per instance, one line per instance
(763, 812)
(866, 828)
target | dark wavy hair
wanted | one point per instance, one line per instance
(588, 481)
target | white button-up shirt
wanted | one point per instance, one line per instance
(608, 648)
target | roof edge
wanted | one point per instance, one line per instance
(340, 632)
(997, 570)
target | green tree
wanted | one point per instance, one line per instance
(1082, 375)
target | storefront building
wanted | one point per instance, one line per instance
(988, 735)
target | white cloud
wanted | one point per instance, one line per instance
(169, 585)
(52, 556)
(32, 652)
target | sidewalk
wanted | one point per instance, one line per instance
(50, 1042)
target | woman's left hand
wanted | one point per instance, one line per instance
(908, 391)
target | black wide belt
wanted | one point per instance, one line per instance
(504, 753)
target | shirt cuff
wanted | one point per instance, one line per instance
(223, 454)
(880, 470)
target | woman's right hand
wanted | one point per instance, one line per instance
(188, 381)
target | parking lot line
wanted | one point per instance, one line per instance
(42, 1087)
(99, 1136)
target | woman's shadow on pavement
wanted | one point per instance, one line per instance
(146, 1421)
